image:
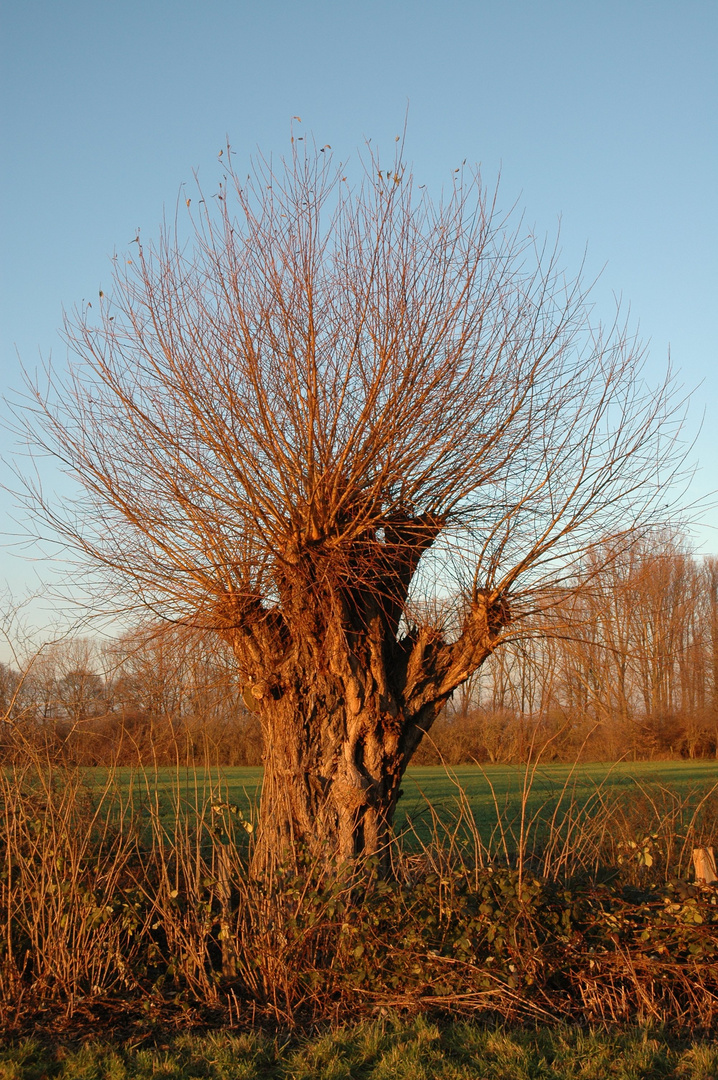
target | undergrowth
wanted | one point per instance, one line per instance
(116, 912)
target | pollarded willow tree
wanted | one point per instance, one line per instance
(360, 434)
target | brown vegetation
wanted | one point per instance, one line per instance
(626, 668)
(161, 695)
(132, 907)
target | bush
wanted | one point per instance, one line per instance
(121, 903)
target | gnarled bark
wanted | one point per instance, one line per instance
(345, 694)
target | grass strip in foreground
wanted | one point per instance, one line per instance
(387, 1049)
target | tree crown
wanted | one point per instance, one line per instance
(327, 381)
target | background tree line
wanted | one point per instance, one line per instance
(157, 694)
(629, 668)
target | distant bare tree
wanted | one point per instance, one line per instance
(358, 434)
(710, 571)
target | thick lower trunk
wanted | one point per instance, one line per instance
(344, 703)
(331, 778)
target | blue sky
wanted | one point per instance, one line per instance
(600, 114)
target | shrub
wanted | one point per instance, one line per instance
(142, 902)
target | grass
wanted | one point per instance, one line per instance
(425, 787)
(387, 1049)
(501, 786)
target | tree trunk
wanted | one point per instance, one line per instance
(342, 714)
(331, 777)
(346, 691)
(336, 746)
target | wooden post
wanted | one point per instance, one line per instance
(224, 893)
(704, 864)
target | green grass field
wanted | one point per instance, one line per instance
(499, 788)
(492, 793)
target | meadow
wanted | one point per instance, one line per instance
(505, 807)
(485, 789)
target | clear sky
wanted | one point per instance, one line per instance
(600, 113)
